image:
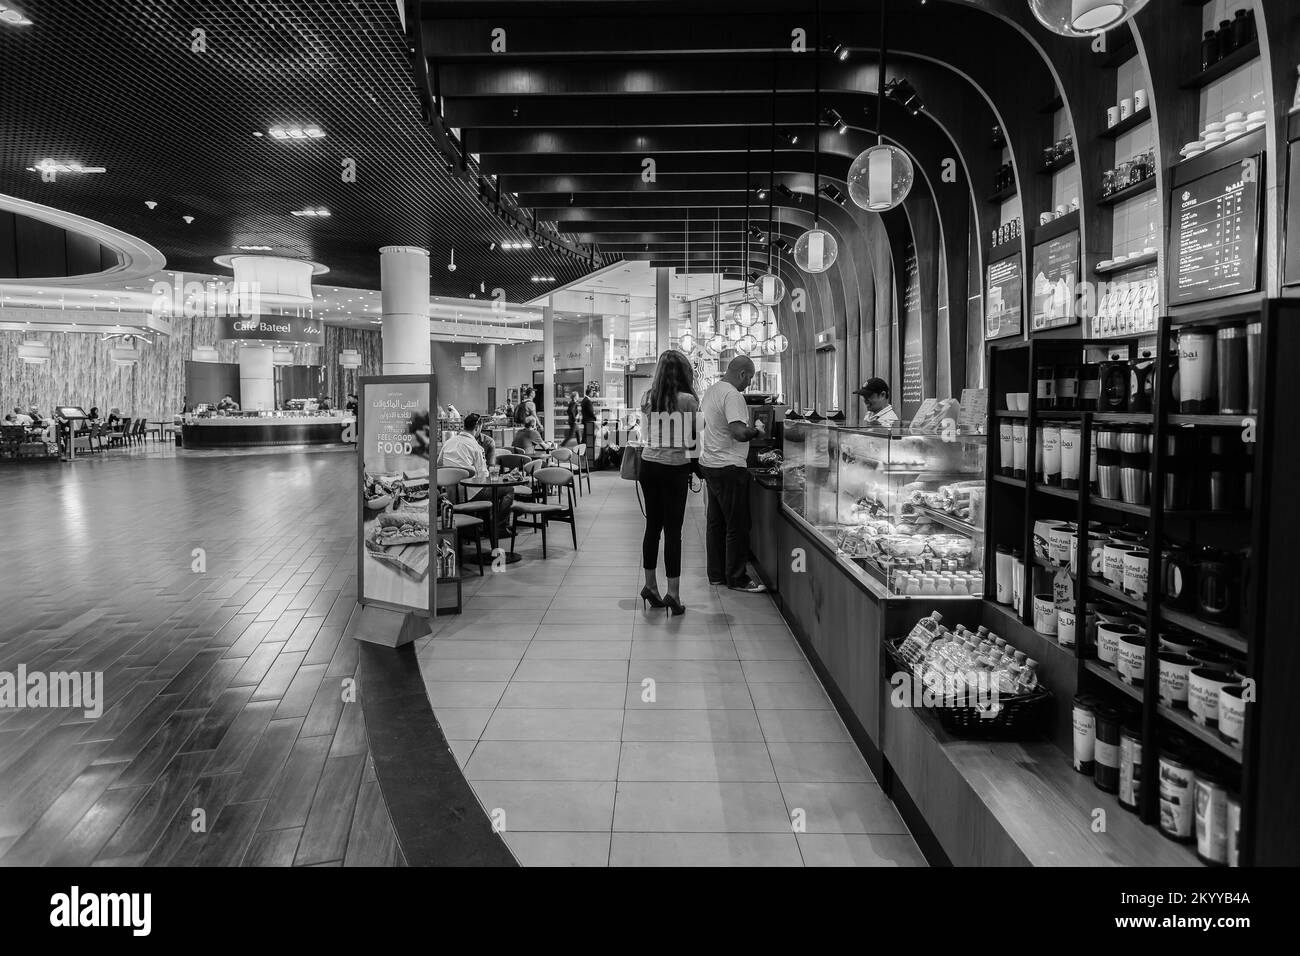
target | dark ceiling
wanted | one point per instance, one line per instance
(586, 91)
(116, 84)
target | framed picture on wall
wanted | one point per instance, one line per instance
(1054, 293)
(1004, 286)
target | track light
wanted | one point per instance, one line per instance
(841, 52)
(834, 119)
(786, 192)
(833, 194)
(781, 245)
(761, 191)
(904, 93)
(791, 138)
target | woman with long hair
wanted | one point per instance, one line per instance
(668, 430)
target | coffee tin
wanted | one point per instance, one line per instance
(1176, 797)
(1130, 768)
(1211, 799)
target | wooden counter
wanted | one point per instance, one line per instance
(252, 431)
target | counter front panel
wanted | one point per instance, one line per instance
(253, 431)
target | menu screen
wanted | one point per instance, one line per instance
(1004, 285)
(396, 448)
(913, 338)
(1216, 234)
(1291, 234)
(1056, 276)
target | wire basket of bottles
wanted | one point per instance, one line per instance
(976, 684)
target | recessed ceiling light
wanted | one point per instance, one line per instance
(50, 166)
(309, 211)
(13, 16)
(255, 248)
(296, 132)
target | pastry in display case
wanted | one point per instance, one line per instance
(905, 506)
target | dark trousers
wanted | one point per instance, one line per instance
(727, 535)
(504, 503)
(665, 488)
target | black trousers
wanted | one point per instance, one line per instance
(665, 488)
(727, 534)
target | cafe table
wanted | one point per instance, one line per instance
(499, 487)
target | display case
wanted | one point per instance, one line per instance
(904, 507)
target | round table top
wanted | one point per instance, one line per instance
(499, 482)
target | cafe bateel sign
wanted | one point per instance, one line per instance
(272, 328)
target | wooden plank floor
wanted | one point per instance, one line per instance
(225, 739)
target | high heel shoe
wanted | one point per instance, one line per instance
(674, 605)
(650, 598)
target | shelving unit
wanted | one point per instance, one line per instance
(1237, 58)
(1014, 506)
(1136, 119)
(1128, 192)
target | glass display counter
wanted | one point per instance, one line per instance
(904, 508)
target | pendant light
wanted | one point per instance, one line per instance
(816, 250)
(686, 341)
(1083, 18)
(881, 177)
(745, 313)
(770, 289)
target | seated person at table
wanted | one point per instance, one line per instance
(93, 414)
(20, 417)
(529, 440)
(351, 406)
(114, 416)
(489, 446)
(36, 417)
(227, 404)
(462, 450)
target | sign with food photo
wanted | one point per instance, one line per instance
(396, 448)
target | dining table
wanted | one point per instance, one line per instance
(499, 486)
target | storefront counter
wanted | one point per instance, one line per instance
(253, 431)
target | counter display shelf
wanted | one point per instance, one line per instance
(906, 508)
(252, 429)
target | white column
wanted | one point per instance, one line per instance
(256, 378)
(663, 302)
(404, 294)
(548, 368)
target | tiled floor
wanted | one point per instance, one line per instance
(598, 734)
(224, 684)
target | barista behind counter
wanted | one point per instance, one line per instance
(256, 429)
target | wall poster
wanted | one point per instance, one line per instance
(1004, 293)
(1054, 301)
(395, 564)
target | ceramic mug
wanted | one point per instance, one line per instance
(1045, 614)
(1175, 670)
(1203, 688)
(1125, 108)
(1177, 642)
(1112, 116)
(1043, 540)
(1044, 218)
(1132, 659)
(1232, 713)
(1139, 100)
(1065, 626)
(1113, 563)
(1059, 544)
(1135, 572)
(1108, 638)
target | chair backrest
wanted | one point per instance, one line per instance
(532, 466)
(450, 477)
(139, 426)
(563, 454)
(554, 476)
(513, 461)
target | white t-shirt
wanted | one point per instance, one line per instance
(722, 405)
(886, 416)
(463, 451)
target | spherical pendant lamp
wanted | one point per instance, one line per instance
(717, 343)
(746, 313)
(735, 333)
(815, 251)
(780, 343)
(768, 290)
(880, 178)
(686, 341)
(1082, 18)
(747, 345)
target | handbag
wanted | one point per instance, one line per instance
(630, 466)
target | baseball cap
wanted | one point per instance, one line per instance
(873, 386)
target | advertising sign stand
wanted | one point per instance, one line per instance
(397, 538)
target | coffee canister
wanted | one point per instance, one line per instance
(1017, 581)
(1045, 387)
(1004, 448)
(1196, 371)
(1019, 433)
(1175, 671)
(1085, 734)
(1089, 388)
(1135, 564)
(1132, 659)
(1106, 725)
(1176, 798)
(1067, 387)
(1232, 713)
(1051, 455)
(1071, 439)
(1234, 829)
(1065, 626)
(1130, 767)
(1211, 801)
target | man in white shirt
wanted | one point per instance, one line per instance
(724, 450)
(462, 450)
(875, 392)
(21, 417)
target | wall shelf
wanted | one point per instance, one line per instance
(1237, 58)
(1182, 719)
(1213, 421)
(1135, 120)
(1133, 262)
(1227, 636)
(1111, 677)
(1056, 165)
(1099, 586)
(1002, 195)
(1128, 192)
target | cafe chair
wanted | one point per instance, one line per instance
(509, 462)
(449, 480)
(583, 464)
(117, 432)
(539, 515)
(567, 459)
(467, 525)
(11, 440)
(155, 430)
(137, 433)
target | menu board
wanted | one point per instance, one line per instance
(396, 567)
(1004, 291)
(1291, 234)
(1056, 282)
(913, 340)
(1215, 239)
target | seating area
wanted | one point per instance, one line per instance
(29, 442)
